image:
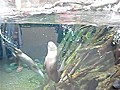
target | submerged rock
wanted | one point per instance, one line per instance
(7, 68)
(13, 64)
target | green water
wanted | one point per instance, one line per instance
(10, 79)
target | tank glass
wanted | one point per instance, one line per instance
(60, 45)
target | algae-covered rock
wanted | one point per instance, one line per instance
(13, 66)
(24, 65)
(7, 68)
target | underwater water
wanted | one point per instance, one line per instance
(89, 56)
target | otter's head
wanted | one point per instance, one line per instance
(52, 46)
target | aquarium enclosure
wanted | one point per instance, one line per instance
(59, 44)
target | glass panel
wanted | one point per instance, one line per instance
(59, 45)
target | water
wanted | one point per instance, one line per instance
(86, 44)
(90, 53)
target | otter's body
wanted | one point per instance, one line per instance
(27, 60)
(51, 62)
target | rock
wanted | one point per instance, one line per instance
(8, 70)
(13, 64)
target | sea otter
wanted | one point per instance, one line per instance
(27, 60)
(51, 62)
